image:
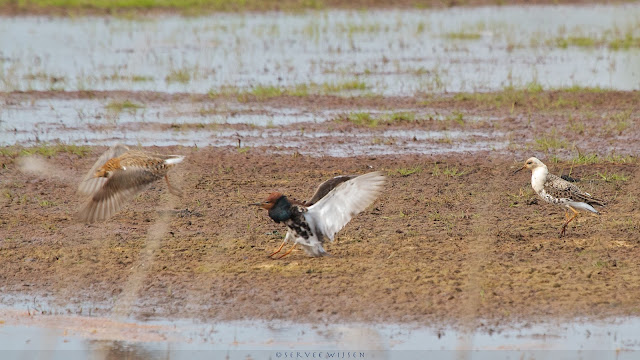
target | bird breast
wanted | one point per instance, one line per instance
(538, 178)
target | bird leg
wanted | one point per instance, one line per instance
(564, 227)
(174, 190)
(280, 248)
(288, 251)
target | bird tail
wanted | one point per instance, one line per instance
(596, 201)
(584, 206)
(174, 159)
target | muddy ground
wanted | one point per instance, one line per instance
(454, 239)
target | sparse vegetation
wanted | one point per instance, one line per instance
(550, 141)
(587, 159)
(361, 118)
(614, 42)
(182, 76)
(266, 92)
(349, 85)
(463, 35)
(530, 96)
(619, 122)
(612, 177)
(44, 150)
(446, 171)
(119, 106)
(407, 171)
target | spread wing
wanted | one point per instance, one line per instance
(336, 209)
(560, 188)
(90, 184)
(119, 188)
(326, 187)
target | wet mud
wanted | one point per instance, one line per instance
(454, 239)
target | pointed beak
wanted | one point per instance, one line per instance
(522, 168)
(256, 204)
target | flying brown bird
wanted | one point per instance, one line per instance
(118, 176)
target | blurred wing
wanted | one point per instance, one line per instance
(327, 186)
(336, 209)
(121, 187)
(90, 184)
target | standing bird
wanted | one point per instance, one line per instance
(118, 176)
(335, 202)
(556, 190)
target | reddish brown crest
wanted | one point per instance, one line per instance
(273, 197)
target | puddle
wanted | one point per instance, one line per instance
(89, 122)
(183, 339)
(391, 52)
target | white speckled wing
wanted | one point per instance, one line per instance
(336, 209)
(562, 189)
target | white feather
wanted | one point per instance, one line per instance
(176, 159)
(335, 210)
(582, 206)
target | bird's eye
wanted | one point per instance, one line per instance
(529, 163)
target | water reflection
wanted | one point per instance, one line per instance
(56, 337)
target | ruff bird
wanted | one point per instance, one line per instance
(118, 176)
(558, 191)
(334, 203)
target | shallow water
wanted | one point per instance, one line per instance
(393, 52)
(62, 337)
(90, 122)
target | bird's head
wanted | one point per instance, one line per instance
(270, 202)
(532, 163)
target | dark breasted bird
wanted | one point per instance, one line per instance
(333, 205)
(118, 176)
(558, 191)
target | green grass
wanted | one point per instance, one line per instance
(588, 159)
(45, 150)
(619, 122)
(456, 117)
(625, 43)
(531, 95)
(182, 76)
(463, 35)
(402, 117)
(407, 171)
(266, 92)
(119, 106)
(615, 42)
(366, 119)
(190, 7)
(349, 85)
(550, 141)
(361, 118)
(612, 177)
(580, 41)
(447, 171)
(263, 92)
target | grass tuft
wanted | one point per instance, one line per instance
(119, 106)
(407, 171)
(182, 76)
(45, 150)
